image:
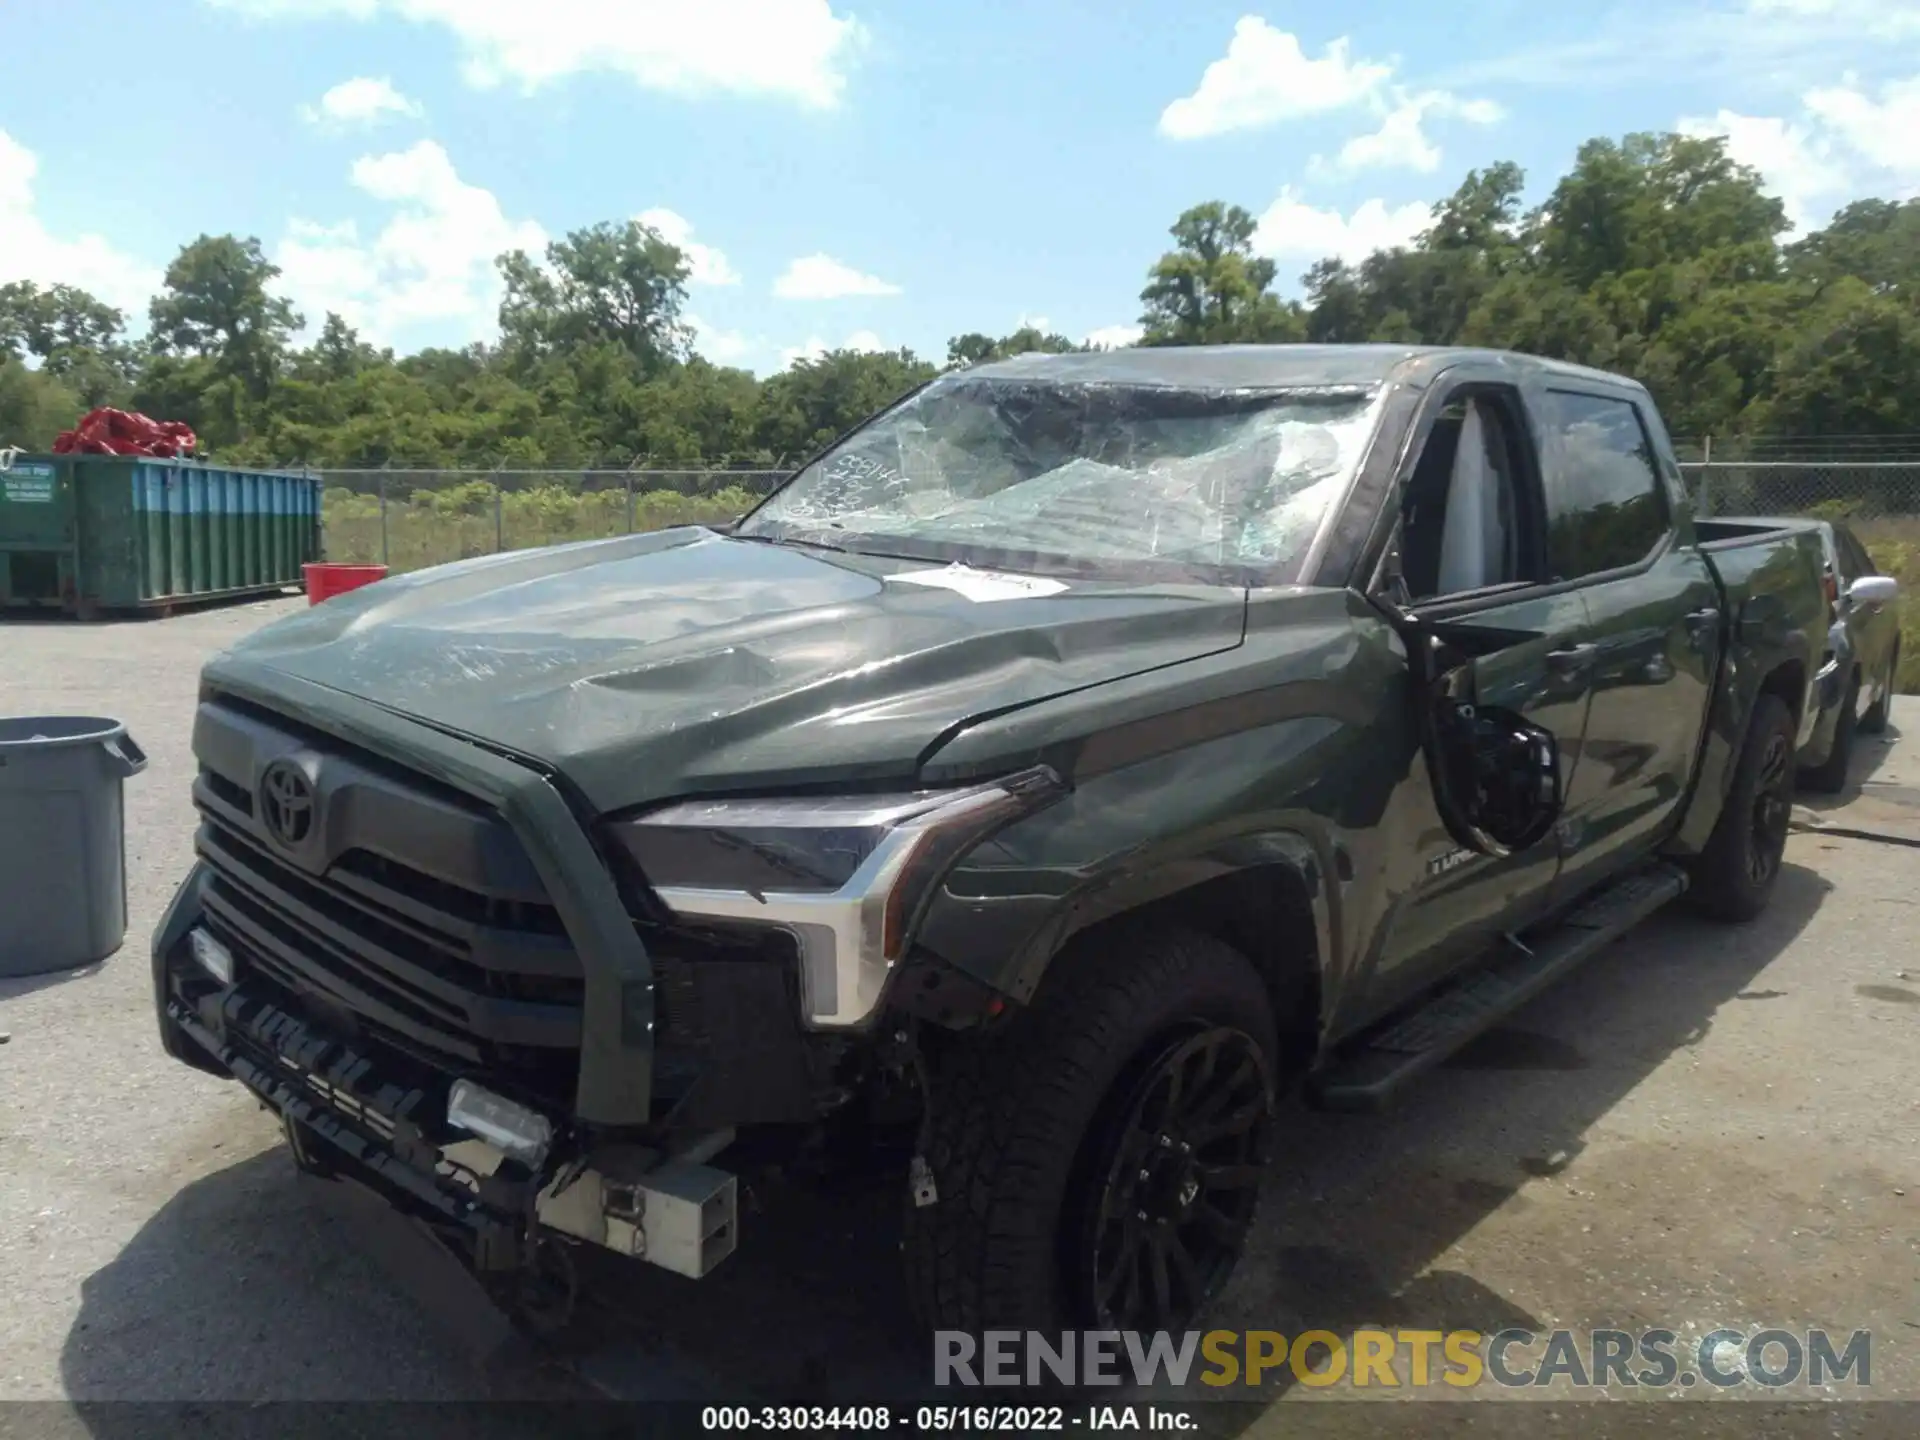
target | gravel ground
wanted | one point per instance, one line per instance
(1703, 1128)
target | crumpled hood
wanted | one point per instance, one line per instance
(682, 661)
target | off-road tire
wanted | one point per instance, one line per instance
(1875, 720)
(1829, 777)
(1734, 875)
(1017, 1112)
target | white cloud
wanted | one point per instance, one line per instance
(1266, 77)
(431, 264)
(1114, 337)
(1291, 229)
(1760, 42)
(722, 346)
(1880, 131)
(361, 101)
(29, 251)
(1401, 142)
(821, 277)
(298, 9)
(796, 50)
(863, 341)
(705, 264)
(1888, 19)
(1847, 140)
(1798, 167)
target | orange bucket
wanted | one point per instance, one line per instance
(326, 581)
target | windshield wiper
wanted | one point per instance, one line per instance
(796, 540)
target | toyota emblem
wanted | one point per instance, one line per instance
(286, 803)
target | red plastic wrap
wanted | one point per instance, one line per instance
(116, 432)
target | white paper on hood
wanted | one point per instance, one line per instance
(981, 585)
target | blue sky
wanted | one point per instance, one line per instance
(874, 172)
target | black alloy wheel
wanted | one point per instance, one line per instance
(1176, 1182)
(1772, 811)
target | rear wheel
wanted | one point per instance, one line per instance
(1875, 720)
(1097, 1160)
(1735, 874)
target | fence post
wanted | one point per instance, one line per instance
(499, 523)
(1703, 507)
(383, 517)
(629, 502)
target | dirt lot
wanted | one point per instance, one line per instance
(1704, 1128)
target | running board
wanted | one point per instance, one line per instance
(1367, 1076)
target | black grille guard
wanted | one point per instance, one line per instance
(616, 1029)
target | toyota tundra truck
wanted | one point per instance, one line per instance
(1075, 757)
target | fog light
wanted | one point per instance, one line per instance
(215, 958)
(512, 1129)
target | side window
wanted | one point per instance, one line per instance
(1606, 505)
(1463, 527)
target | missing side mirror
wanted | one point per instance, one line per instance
(1503, 778)
(1496, 775)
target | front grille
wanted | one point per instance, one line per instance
(427, 930)
(485, 979)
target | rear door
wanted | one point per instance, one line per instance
(1617, 529)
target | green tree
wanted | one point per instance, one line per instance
(34, 406)
(974, 348)
(1875, 241)
(617, 284)
(337, 353)
(1651, 200)
(1211, 289)
(216, 305)
(814, 401)
(1852, 367)
(61, 318)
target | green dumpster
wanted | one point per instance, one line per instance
(89, 533)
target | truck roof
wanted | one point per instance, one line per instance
(1260, 367)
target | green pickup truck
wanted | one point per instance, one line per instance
(1076, 755)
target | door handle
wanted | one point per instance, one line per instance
(1573, 660)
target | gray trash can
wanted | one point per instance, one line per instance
(63, 845)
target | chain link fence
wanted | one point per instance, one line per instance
(1860, 492)
(410, 519)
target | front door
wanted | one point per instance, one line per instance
(1470, 555)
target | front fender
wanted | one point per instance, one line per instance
(1264, 801)
(1008, 942)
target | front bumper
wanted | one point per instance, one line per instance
(361, 1111)
(367, 1116)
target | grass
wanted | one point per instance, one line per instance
(435, 526)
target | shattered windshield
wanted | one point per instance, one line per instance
(1101, 477)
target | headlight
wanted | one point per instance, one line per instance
(847, 876)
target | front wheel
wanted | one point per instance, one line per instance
(1734, 875)
(1097, 1160)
